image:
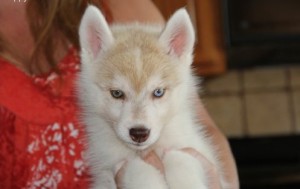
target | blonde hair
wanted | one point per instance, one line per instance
(53, 22)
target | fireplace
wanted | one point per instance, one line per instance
(258, 109)
(265, 33)
(262, 32)
(256, 103)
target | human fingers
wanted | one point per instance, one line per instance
(119, 173)
(150, 158)
(153, 159)
(209, 167)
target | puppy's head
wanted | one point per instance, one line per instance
(135, 77)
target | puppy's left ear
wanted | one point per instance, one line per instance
(178, 36)
(94, 33)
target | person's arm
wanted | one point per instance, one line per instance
(221, 142)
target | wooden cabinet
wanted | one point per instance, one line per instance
(210, 56)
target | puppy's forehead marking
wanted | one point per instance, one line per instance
(138, 62)
(138, 57)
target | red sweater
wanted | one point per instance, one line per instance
(41, 140)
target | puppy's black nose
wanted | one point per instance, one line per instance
(139, 134)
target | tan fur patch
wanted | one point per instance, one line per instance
(137, 56)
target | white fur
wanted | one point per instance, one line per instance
(172, 119)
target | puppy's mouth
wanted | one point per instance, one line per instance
(138, 146)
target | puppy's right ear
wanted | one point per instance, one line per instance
(178, 35)
(94, 33)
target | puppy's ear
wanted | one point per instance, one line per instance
(94, 33)
(178, 36)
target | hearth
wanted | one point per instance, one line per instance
(268, 162)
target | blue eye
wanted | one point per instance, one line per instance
(158, 92)
(118, 94)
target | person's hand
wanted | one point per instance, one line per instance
(209, 168)
(153, 159)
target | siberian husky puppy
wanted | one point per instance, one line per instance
(137, 91)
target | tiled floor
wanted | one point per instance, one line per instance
(267, 113)
(231, 122)
(255, 102)
(296, 101)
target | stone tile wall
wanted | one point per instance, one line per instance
(255, 102)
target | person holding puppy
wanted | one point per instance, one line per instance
(42, 140)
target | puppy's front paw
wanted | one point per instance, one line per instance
(140, 175)
(183, 171)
